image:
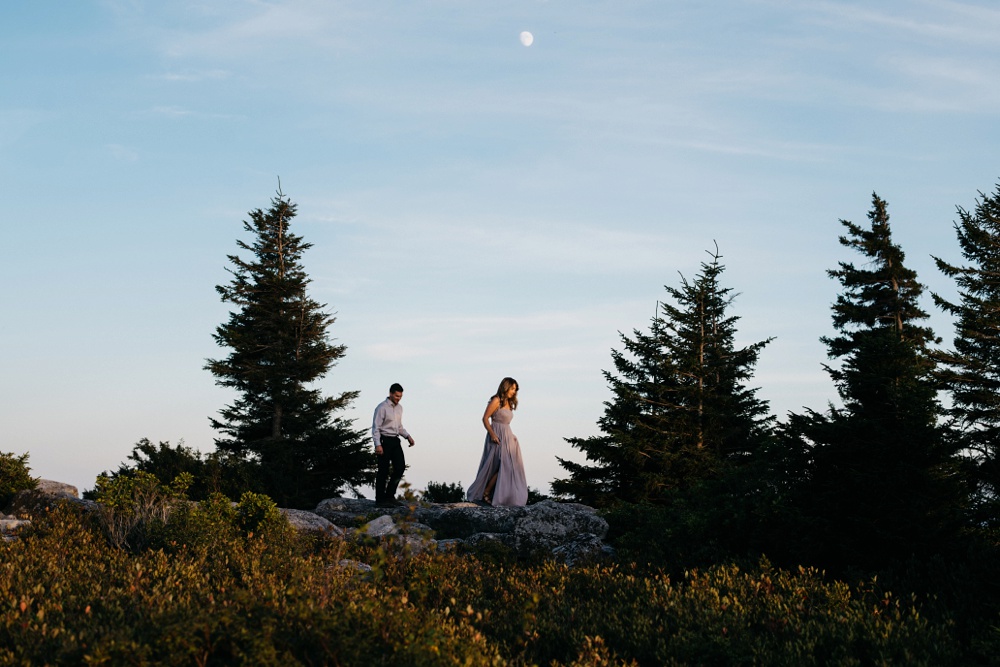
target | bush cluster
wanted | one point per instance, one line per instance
(232, 584)
(443, 492)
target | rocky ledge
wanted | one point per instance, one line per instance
(570, 532)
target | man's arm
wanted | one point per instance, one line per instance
(377, 420)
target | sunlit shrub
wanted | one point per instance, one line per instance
(234, 597)
(134, 508)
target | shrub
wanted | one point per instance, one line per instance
(133, 509)
(443, 492)
(238, 598)
(536, 496)
(213, 473)
(15, 475)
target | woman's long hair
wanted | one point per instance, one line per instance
(506, 384)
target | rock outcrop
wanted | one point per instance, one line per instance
(27, 503)
(570, 532)
(304, 521)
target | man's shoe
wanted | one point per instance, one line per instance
(386, 503)
(399, 503)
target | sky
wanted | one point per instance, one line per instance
(478, 208)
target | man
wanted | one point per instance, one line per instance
(387, 427)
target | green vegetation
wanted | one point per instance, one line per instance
(230, 585)
(681, 410)
(15, 475)
(278, 342)
(216, 472)
(443, 492)
(735, 534)
(971, 372)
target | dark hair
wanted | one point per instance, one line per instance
(396, 387)
(506, 384)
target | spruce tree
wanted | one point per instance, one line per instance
(878, 488)
(680, 408)
(971, 371)
(279, 345)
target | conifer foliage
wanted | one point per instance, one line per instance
(279, 345)
(878, 490)
(971, 371)
(680, 407)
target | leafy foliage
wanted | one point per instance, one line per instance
(217, 472)
(443, 492)
(279, 345)
(133, 509)
(223, 594)
(15, 475)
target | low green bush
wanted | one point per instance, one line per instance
(443, 492)
(133, 508)
(15, 475)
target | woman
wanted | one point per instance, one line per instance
(500, 480)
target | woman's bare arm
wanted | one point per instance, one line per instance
(490, 409)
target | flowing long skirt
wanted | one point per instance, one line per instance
(504, 460)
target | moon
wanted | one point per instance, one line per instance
(527, 38)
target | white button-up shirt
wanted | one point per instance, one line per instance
(388, 420)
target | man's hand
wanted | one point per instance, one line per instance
(410, 438)
(378, 449)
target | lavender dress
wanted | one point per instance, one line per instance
(512, 487)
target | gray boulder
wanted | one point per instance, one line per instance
(414, 544)
(583, 550)
(309, 522)
(549, 524)
(506, 540)
(572, 533)
(380, 527)
(468, 520)
(345, 511)
(30, 502)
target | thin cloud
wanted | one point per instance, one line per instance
(123, 153)
(960, 23)
(181, 112)
(194, 77)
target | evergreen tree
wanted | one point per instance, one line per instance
(879, 487)
(971, 372)
(680, 408)
(278, 341)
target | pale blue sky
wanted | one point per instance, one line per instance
(478, 208)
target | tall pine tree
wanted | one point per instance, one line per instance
(278, 342)
(879, 488)
(971, 371)
(680, 408)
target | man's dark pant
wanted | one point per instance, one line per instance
(392, 454)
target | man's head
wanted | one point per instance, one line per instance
(395, 392)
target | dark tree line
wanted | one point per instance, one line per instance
(692, 463)
(891, 475)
